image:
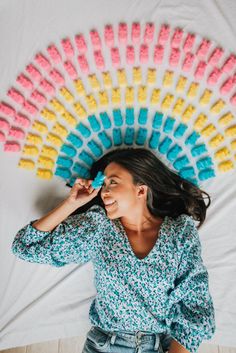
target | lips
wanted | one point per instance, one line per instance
(109, 204)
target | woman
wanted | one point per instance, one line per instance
(139, 231)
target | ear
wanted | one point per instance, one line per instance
(142, 191)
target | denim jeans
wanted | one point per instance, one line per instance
(98, 340)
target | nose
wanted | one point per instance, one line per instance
(105, 190)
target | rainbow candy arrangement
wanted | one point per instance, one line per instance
(132, 85)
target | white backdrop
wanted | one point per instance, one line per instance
(39, 302)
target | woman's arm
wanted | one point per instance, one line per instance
(175, 347)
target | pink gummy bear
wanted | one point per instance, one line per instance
(229, 63)
(54, 54)
(29, 107)
(174, 57)
(233, 100)
(216, 56)
(70, 69)
(33, 72)
(214, 76)
(188, 61)
(149, 33)
(10, 146)
(4, 124)
(2, 137)
(109, 36)
(130, 55)
(203, 47)
(67, 47)
(95, 39)
(17, 133)
(99, 60)
(21, 120)
(135, 33)
(227, 86)
(47, 87)
(80, 43)
(158, 54)
(24, 81)
(200, 70)
(115, 57)
(176, 38)
(38, 97)
(163, 34)
(42, 61)
(7, 109)
(16, 95)
(189, 42)
(57, 77)
(143, 55)
(84, 67)
(122, 33)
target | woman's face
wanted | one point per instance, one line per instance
(119, 194)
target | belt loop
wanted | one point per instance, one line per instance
(113, 338)
(157, 341)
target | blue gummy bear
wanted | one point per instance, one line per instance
(154, 139)
(117, 137)
(82, 171)
(105, 139)
(129, 116)
(173, 152)
(204, 163)
(180, 130)
(94, 123)
(164, 145)
(83, 130)
(75, 140)
(197, 150)
(206, 174)
(129, 136)
(187, 172)
(69, 150)
(63, 172)
(95, 148)
(169, 124)
(65, 162)
(98, 180)
(181, 162)
(106, 122)
(157, 120)
(191, 140)
(86, 158)
(118, 119)
(142, 119)
(141, 136)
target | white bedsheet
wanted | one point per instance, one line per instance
(37, 302)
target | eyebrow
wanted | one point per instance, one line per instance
(113, 176)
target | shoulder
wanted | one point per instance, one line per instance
(185, 230)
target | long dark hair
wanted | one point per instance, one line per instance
(168, 193)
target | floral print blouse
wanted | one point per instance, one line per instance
(165, 292)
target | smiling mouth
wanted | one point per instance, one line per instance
(110, 205)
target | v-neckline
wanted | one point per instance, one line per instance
(160, 234)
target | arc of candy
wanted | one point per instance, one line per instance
(203, 59)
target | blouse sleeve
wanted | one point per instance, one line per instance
(191, 317)
(75, 240)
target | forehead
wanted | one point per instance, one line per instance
(115, 168)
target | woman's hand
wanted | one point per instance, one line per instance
(82, 192)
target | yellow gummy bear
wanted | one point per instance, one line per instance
(54, 139)
(208, 130)
(48, 114)
(94, 83)
(189, 111)
(181, 84)
(167, 101)
(44, 173)
(35, 139)
(200, 122)
(137, 75)
(226, 119)
(231, 131)
(168, 79)
(151, 76)
(103, 98)
(121, 75)
(142, 94)
(49, 151)
(178, 107)
(30, 150)
(40, 127)
(26, 164)
(206, 96)
(57, 105)
(155, 96)
(216, 140)
(91, 102)
(80, 110)
(129, 95)
(60, 130)
(222, 153)
(233, 145)
(66, 94)
(115, 96)
(192, 91)
(79, 87)
(69, 118)
(226, 166)
(46, 162)
(107, 79)
(217, 107)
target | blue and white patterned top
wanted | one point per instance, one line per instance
(166, 292)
